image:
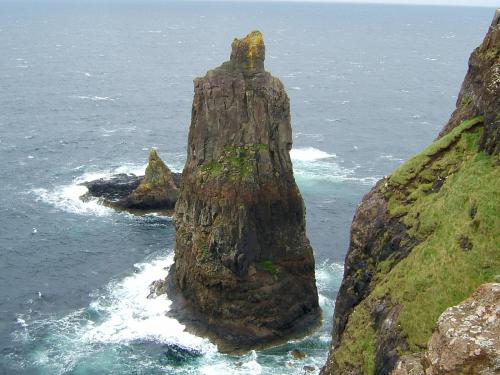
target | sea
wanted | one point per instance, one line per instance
(88, 87)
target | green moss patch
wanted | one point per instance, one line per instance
(238, 162)
(269, 266)
(407, 171)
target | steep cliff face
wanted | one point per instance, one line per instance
(244, 268)
(427, 236)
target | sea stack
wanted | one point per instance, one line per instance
(244, 269)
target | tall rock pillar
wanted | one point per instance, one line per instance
(244, 268)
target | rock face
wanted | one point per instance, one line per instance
(480, 90)
(244, 268)
(421, 236)
(466, 340)
(156, 190)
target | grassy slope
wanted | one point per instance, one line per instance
(459, 227)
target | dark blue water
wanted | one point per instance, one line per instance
(87, 88)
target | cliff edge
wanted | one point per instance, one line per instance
(427, 236)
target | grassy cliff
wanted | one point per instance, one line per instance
(426, 237)
(458, 228)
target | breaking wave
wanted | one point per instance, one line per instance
(313, 164)
(120, 321)
(309, 154)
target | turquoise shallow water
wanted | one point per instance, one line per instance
(88, 88)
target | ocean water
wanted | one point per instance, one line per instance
(86, 88)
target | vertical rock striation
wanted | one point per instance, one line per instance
(244, 268)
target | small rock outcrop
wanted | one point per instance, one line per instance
(423, 237)
(466, 340)
(244, 268)
(158, 189)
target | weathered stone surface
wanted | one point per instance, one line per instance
(380, 239)
(157, 288)
(244, 268)
(157, 189)
(466, 340)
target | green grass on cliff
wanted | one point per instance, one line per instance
(415, 165)
(358, 343)
(458, 226)
(235, 161)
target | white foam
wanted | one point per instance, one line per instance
(130, 168)
(21, 322)
(131, 316)
(309, 154)
(328, 171)
(248, 365)
(67, 198)
(328, 273)
(390, 157)
(310, 163)
(120, 314)
(94, 98)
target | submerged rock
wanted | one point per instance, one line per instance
(158, 189)
(466, 340)
(244, 268)
(297, 354)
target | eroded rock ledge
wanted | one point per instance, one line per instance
(244, 268)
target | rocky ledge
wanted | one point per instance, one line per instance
(244, 268)
(157, 190)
